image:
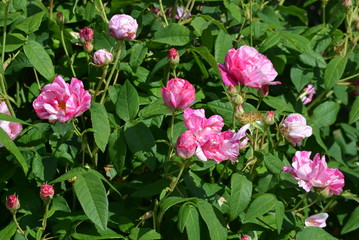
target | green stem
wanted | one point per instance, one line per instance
(300, 202)
(117, 60)
(104, 73)
(66, 52)
(4, 33)
(163, 13)
(250, 19)
(37, 79)
(223, 171)
(75, 129)
(51, 8)
(324, 3)
(316, 100)
(44, 221)
(350, 77)
(309, 205)
(18, 225)
(4, 92)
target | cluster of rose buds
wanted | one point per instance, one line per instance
(11, 128)
(315, 174)
(178, 93)
(86, 37)
(60, 101)
(294, 128)
(205, 139)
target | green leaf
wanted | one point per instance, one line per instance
(75, 172)
(116, 4)
(274, 164)
(234, 9)
(314, 60)
(188, 218)
(297, 42)
(241, 192)
(216, 229)
(171, 201)
(9, 118)
(14, 41)
(295, 11)
(9, 231)
(222, 108)
(32, 23)
(318, 138)
(138, 53)
(354, 112)
(300, 76)
(279, 103)
(260, 206)
(334, 71)
(154, 109)
(40, 59)
(279, 215)
(205, 54)
(272, 40)
(117, 149)
(199, 24)
(352, 223)
(127, 104)
(144, 234)
(325, 114)
(314, 233)
(100, 124)
(174, 35)
(92, 197)
(10, 145)
(222, 45)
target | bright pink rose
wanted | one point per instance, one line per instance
(186, 144)
(315, 174)
(178, 93)
(102, 57)
(60, 101)
(317, 220)
(245, 237)
(47, 191)
(294, 128)
(86, 35)
(248, 67)
(307, 95)
(123, 26)
(12, 203)
(11, 128)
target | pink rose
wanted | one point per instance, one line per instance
(294, 128)
(12, 203)
(245, 237)
(315, 174)
(47, 191)
(11, 128)
(86, 35)
(60, 101)
(178, 93)
(307, 95)
(123, 26)
(186, 144)
(102, 57)
(317, 220)
(248, 67)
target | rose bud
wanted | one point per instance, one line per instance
(102, 57)
(86, 35)
(47, 191)
(12, 203)
(123, 26)
(173, 56)
(178, 94)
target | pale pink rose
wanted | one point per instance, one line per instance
(246, 66)
(294, 128)
(185, 14)
(11, 128)
(317, 220)
(186, 144)
(307, 95)
(123, 26)
(60, 101)
(102, 57)
(178, 93)
(315, 174)
(47, 191)
(12, 203)
(86, 35)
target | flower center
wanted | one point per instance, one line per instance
(62, 105)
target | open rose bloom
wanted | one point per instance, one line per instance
(60, 101)
(294, 128)
(246, 66)
(315, 174)
(11, 128)
(317, 220)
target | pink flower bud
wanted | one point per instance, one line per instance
(102, 57)
(47, 191)
(173, 57)
(178, 93)
(88, 47)
(294, 128)
(60, 101)
(317, 220)
(245, 237)
(11, 128)
(86, 35)
(307, 95)
(12, 203)
(186, 144)
(123, 26)
(60, 18)
(347, 4)
(269, 118)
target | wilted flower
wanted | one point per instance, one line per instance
(11, 128)
(123, 26)
(315, 174)
(47, 191)
(186, 144)
(12, 203)
(317, 220)
(294, 128)
(86, 35)
(246, 66)
(60, 101)
(178, 93)
(102, 57)
(307, 95)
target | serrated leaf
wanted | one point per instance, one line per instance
(40, 59)
(10, 145)
(154, 109)
(32, 23)
(117, 149)
(174, 35)
(234, 9)
(222, 108)
(7, 232)
(352, 223)
(325, 114)
(297, 42)
(270, 41)
(13, 41)
(144, 234)
(241, 193)
(93, 199)
(138, 53)
(171, 201)
(127, 104)
(274, 164)
(260, 206)
(100, 124)
(279, 215)
(75, 172)
(189, 219)
(314, 233)
(334, 71)
(216, 229)
(222, 45)
(300, 76)
(354, 112)
(205, 54)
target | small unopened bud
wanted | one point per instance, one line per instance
(60, 18)
(173, 57)
(88, 47)
(12, 203)
(269, 118)
(86, 35)
(102, 57)
(47, 191)
(263, 92)
(324, 192)
(237, 100)
(347, 4)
